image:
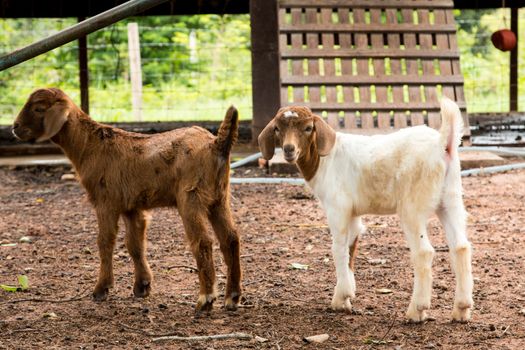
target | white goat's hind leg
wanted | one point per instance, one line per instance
(453, 218)
(421, 254)
(342, 237)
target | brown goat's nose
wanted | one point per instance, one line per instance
(289, 148)
(16, 125)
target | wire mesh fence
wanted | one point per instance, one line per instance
(194, 67)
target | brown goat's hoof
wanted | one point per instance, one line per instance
(205, 303)
(232, 301)
(100, 294)
(141, 289)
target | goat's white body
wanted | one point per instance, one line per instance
(377, 174)
(405, 173)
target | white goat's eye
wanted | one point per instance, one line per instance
(309, 128)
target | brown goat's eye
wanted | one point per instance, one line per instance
(40, 110)
(309, 128)
(276, 130)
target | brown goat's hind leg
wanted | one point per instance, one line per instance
(136, 241)
(108, 227)
(201, 245)
(222, 223)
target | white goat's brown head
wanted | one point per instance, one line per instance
(42, 116)
(297, 130)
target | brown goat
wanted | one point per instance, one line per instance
(125, 174)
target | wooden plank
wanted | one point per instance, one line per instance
(329, 66)
(361, 42)
(409, 39)
(456, 69)
(366, 28)
(345, 43)
(363, 79)
(284, 71)
(383, 118)
(394, 43)
(416, 106)
(368, 4)
(425, 42)
(368, 52)
(349, 119)
(297, 64)
(135, 70)
(312, 42)
(442, 44)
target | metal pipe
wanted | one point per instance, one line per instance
(267, 180)
(299, 181)
(493, 169)
(76, 31)
(500, 150)
(250, 159)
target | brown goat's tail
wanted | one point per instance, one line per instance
(228, 131)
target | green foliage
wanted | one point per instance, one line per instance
(199, 81)
(180, 81)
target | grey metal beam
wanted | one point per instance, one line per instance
(83, 28)
(83, 71)
(513, 79)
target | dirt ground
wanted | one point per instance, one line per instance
(280, 225)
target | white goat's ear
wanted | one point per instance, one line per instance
(266, 140)
(54, 120)
(325, 136)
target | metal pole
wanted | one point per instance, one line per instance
(90, 25)
(513, 84)
(83, 71)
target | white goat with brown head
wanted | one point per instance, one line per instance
(412, 173)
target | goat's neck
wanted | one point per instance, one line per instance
(308, 162)
(75, 137)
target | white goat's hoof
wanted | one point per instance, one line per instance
(461, 311)
(341, 299)
(341, 305)
(417, 313)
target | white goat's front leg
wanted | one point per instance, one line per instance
(453, 218)
(421, 254)
(344, 233)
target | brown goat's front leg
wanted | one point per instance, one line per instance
(222, 223)
(201, 246)
(108, 227)
(136, 224)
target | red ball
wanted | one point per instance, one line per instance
(504, 39)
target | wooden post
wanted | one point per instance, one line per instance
(513, 84)
(265, 63)
(135, 70)
(83, 71)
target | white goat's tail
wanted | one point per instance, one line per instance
(451, 125)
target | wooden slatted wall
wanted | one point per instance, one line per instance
(370, 65)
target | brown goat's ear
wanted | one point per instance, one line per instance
(266, 140)
(325, 136)
(54, 119)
